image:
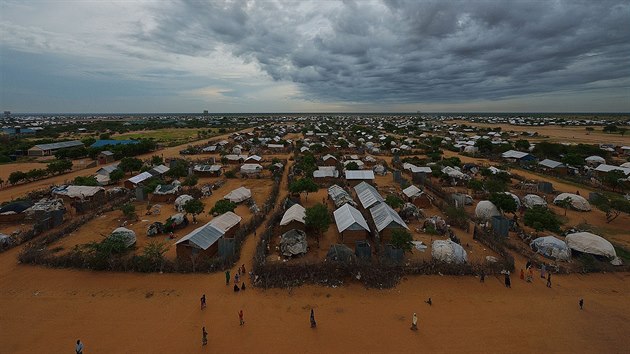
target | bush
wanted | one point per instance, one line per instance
(401, 239)
(541, 218)
(129, 211)
(85, 181)
(394, 202)
(222, 206)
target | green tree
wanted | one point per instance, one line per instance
(36, 174)
(352, 166)
(85, 181)
(394, 201)
(522, 145)
(130, 164)
(153, 255)
(484, 145)
(190, 181)
(401, 239)
(613, 207)
(541, 218)
(16, 177)
(104, 136)
(156, 160)
(222, 206)
(116, 175)
(475, 184)
(59, 166)
(179, 169)
(303, 185)
(610, 128)
(504, 202)
(317, 218)
(613, 179)
(194, 207)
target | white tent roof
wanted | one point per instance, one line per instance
(486, 210)
(251, 168)
(128, 235)
(551, 247)
(532, 200)
(411, 191)
(226, 221)
(140, 178)
(595, 158)
(448, 251)
(295, 213)
(77, 191)
(577, 202)
(587, 242)
(348, 217)
(359, 174)
(238, 195)
(181, 201)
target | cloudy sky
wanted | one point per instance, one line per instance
(320, 56)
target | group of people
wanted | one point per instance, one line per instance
(241, 271)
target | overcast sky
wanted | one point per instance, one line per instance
(320, 56)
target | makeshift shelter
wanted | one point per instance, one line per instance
(175, 221)
(293, 218)
(128, 236)
(12, 212)
(238, 195)
(5, 241)
(293, 243)
(166, 192)
(410, 212)
(485, 210)
(181, 201)
(251, 168)
(587, 242)
(437, 223)
(339, 196)
(341, 254)
(379, 170)
(577, 202)
(351, 225)
(461, 199)
(79, 192)
(368, 195)
(532, 200)
(455, 173)
(594, 160)
(155, 228)
(551, 247)
(207, 170)
(137, 179)
(448, 251)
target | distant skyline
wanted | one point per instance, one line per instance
(319, 56)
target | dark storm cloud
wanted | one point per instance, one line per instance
(409, 51)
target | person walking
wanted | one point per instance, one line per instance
(204, 336)
(240, 317)
(508, 282)
(79, 347)
(414, 322)
(243, 271)
(227, 277)
(236, 278)
(530, 275)
(203, 301)
(313, 323)
(243, 286)
(581, 304)
(543, 269)
(549, 280)
(482, 276)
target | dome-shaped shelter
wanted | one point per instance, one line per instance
(129, 236)
(448, 251)
(594, 160)
(587, 242)
(181, 201)
(532, 200)
(551, 247)
(577, 202)
(485, 210)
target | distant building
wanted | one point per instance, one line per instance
(49, 149)
(105, 157)
(101, 143)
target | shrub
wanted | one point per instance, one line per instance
(222, 206)
(394, 201)
(541, 218)
(401, 239)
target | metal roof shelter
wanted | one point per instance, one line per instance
(349, 218)
(518, 155)
(140, 178)
(359, 174)
(159, 170)
(411, 191)
(368, 195)
(101, 143)
(106, 170)
(325, 171)
(207, 168)
(59, 145)
(203, 237)
(551, 163)
(238, 195)
(295, 213)
(383, 216)
(226, 221)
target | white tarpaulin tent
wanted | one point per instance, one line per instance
(238, 195)
(129, 236)
(577, 202)
(587, 242)
(454, 173)
(181, 201)
(448, 251)
(295, 213)
(551, 247)
(486, 210)
(531, 200)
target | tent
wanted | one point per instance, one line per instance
(5, 241)
(448, 251)
(587, 242)
(127, 235)
(577, 202)
(595, 160)
(340, 253)
(486, 210)
(454, 173)
(295, 213)
(238, 195)
(293, 243)
(551, 247)
(155, 228)
(532, 200)
(181, 201)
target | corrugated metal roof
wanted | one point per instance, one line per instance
(368, 195)
(513, 154)
(359, 174)
(349, 217)
(226, 221)
(203, 237)
(140, 178)
(106, 170)
(383, 216)
(550, 163)
(161, 169)
(207, 168)
(411, 191)
(59, 145)
(101, 143)
(420, 169)
(295, 213)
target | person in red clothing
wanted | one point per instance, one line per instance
(203, 301)
(240, 317)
